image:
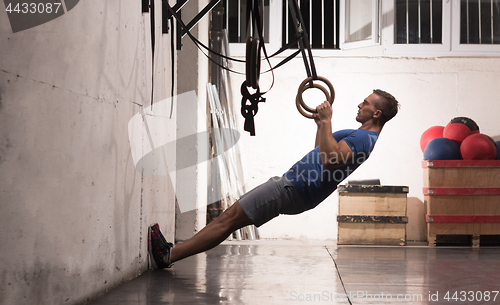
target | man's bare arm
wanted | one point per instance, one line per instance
(333, 154)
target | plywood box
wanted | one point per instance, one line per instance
(372, 215)
(461, 174)
(462, 198)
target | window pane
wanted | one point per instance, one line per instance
(418, 21)
(496, 22)
(400, 22)
(359, 26)
(472, 21)
(479, 22)
(288, 27)
(425, 22)
(324, 22)
(232, 22)
(317, 25)
(329, 19)
(413, 28)
(237, 22)
(485, 22)
(463, 22)
(437, 21)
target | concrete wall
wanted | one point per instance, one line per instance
(431, 92)
(75, 212)
(192, 124)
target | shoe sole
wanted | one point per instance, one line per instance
(150, 250)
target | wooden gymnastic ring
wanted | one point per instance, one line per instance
(330, 96)
(301, 107)
(252, 62)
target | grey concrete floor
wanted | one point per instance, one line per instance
(319, 272)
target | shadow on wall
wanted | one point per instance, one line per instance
(416, 229)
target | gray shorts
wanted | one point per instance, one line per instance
(276, 196)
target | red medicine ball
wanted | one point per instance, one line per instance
(478, 147)
(456, 132)
(429, 135)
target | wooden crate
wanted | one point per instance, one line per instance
(372, 215)
(462, 198)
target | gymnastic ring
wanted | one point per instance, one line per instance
(330, 96)
(299, 107)
(252, 62)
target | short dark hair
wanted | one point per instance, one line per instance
(389, 105)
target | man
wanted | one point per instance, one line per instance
(303, 187)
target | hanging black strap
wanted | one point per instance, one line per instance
(284, 61)
(248, 111)
(257, 21)
(255, 42)
(172, 57)
(248, 17)
(152, 17)
(304, 45)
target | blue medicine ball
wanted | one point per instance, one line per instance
(442, 149)
(498, 149)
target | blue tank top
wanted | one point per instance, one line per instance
(314, 182)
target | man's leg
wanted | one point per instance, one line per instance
(232, 219)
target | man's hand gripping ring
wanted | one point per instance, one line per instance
(301, 106)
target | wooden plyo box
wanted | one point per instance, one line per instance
(462, 198)
(372, 215)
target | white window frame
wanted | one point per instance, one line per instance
(388, 11)
(467, 48)
(344, 19)
(450, 45)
